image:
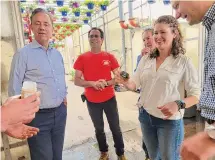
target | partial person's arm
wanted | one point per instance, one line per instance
(192, 85)
(81, 82)
(21, 131)
(134, 82)
(97, 85)
(129, 84)
(112, 81)
(16, 110)
(17, 72)
(199, 147)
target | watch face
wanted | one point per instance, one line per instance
(183, 105)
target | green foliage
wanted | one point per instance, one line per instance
(86, 2)
(64, 9)
(76, 10)
(104, 2)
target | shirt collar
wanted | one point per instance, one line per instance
(35, 44)
(209, 17)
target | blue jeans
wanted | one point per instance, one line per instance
(162, 137)
(48, 143)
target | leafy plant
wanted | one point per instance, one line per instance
(50, 9)
(74, 4)
(86, 2)
(104, 2)
(76, 10)
(72, 75)
(85, 18)
(22, 6)
(32, 7)
(64, 9)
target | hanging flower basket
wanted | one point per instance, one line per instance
(64, 10)
(90, 4)
(103, 4)
(74, 4)
(42, 2)
(58, 26)
(151, 1)
(64, 19)
(85, 21)
(64, 13)
(103, 7)
(22, 0)
(166, 2)
(77, 14)
(60, 2)
(26, 34)
(88, 14)
(22, 10)
(76, 11)
(32, 7)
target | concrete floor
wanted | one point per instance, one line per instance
(80, 142)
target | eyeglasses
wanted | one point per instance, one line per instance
(92, 36)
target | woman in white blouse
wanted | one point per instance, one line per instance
(159, 76)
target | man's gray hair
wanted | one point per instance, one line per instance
(40, 10)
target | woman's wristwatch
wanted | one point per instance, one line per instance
(181, 104)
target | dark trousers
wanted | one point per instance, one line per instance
(111, 111)
(48, 143)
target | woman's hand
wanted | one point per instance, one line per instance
(169, 109)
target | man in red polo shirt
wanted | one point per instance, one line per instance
(95, 67)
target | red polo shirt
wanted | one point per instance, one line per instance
(94, 67)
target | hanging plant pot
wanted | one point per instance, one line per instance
(90, 5)
(64, 13)
(22, 0)
(103, 7)
(85, 21)
(22, 10)
(26, 34)
(77, 14)
(151, 1)
(42, 2)
(58, 26)
(59, 3)
(64, 19)
(74, 5)
(88, 14)
(166, 2)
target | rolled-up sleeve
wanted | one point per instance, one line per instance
(192, 84)
(17, 73)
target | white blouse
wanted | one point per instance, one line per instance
(162, 86)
